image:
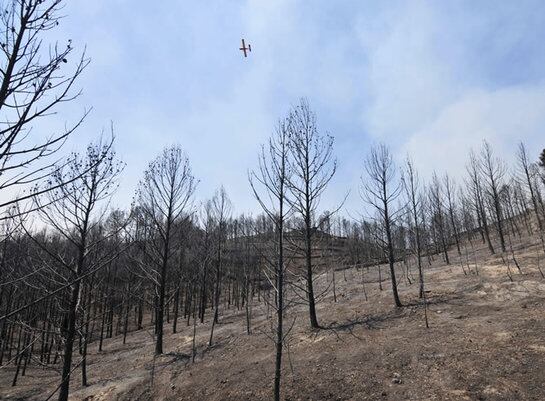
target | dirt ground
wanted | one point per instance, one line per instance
(486, 341)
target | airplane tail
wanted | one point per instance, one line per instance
(249, 47)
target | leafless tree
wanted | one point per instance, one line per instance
(411, 184)
(468, 224)
(476, 187)
(450, 194)
(525, 176)
(71, 210)
(221, 209)
(493, 170)
(269, 184)
(438, 214)
(206, 254)
(312, 166)
(164, 196)
(380, 189)
(35, 82)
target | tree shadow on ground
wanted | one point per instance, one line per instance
(438, 299)
(374, 322)
(370, 322)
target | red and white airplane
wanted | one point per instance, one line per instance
(245, 49)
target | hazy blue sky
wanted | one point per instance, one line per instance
(427, 77)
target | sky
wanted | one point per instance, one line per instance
(431, 79)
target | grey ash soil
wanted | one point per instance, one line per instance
(486, 341)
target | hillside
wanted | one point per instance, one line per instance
(486, 341)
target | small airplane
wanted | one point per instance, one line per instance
(245, 49)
